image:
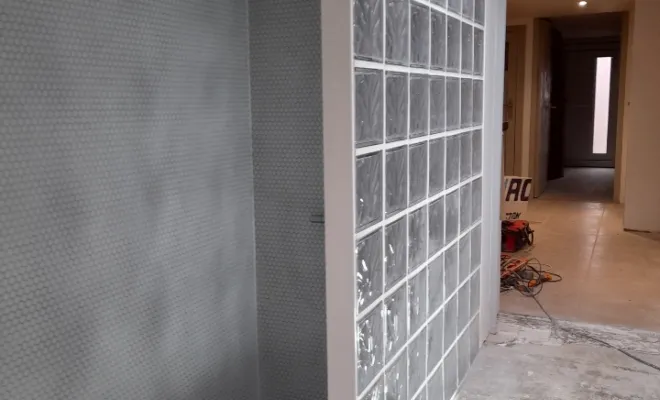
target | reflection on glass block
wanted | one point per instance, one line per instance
(468, 49)
(466, 102)
(474, 339)
(419, 105)
(436, 166)
(436, 386)
(466, 208)
(396, 106)
(451, 270)
(370, 348)
(451, 373)
(436, 226)
(417, 238)
(478, 51)
(464, 266)
(396, 320)
(368, 191)
(476, 152)
(437, 104)
(417, 362)
(454, 5)
(419, 35)
(395, 252)
(441, 3)
(369, 269)
(368, 107)
(479, 11)
(451, 319)
(475, 259)
(377, 392)
(421, 395)
(463, 356)
(478, 102)
(396, 387)
(436, 283)
(396, 181)
(368, 29)
(438, 39)
(436, 331)
(453, 104)
(463, 306)
(475, 294)
(451, 218)
(417, 301)
(396, 42)
(468, 9)
(466, 156)
(476, 200)
(453, 44)
(418, 171)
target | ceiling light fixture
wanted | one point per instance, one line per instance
(582, 3)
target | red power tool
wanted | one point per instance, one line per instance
(516, 235)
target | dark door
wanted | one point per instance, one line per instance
(556, 143)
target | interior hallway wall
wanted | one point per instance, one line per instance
(126, 201)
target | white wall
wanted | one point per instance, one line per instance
(642, 188)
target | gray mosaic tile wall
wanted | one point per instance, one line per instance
(285, 69)
(126, 201)
(418, 138)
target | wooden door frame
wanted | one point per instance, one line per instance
(517, 34)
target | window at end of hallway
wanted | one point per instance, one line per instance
(602, 104)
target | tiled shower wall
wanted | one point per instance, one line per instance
(418, 138)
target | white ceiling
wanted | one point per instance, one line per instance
(518, 9)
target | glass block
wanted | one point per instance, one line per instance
(451, 373)
(436, 166)
(368, 107)
(451, 319)
(479, 11)
(419, 105)
(475, 244)
(396, 320)
(437, 104)
(476, 200)
(475, 294)
(436, 226)
(453, 44)
(453, 158)
(464, 251)
(465, 219)
(466, 103)
(436, 332)
(396, 380)
(466, 156)
(417, 301)
(451, 216)
(368, 29)
(396, 106)
(396, 180)
(441, 3)
(468, 9)
(396, 40)
(418, 171)
(463, 306)
(436, 284)
(453, 103)
(454, 5)
(370, 348)
(451, 270)
(416, 238)
(419, 35)
(369, 193)
(421, 395)
(477, 154)
(468, 50)
(369, 269)
(463, 356)
(438, 40)
(478, 51)
(417, 362)
(377, 392)
(475, 341)
(436, 387)
(395, 252)
(477, 102)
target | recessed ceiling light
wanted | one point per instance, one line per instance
(582, 3)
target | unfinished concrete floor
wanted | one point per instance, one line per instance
(587, 184)
(611, 277)
(528, 359)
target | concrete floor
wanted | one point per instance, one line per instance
(586, 184)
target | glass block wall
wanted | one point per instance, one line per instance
(418, 98)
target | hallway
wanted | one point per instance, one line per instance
(586, 184)
(610, 276)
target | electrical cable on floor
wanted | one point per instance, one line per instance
(518, 274)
